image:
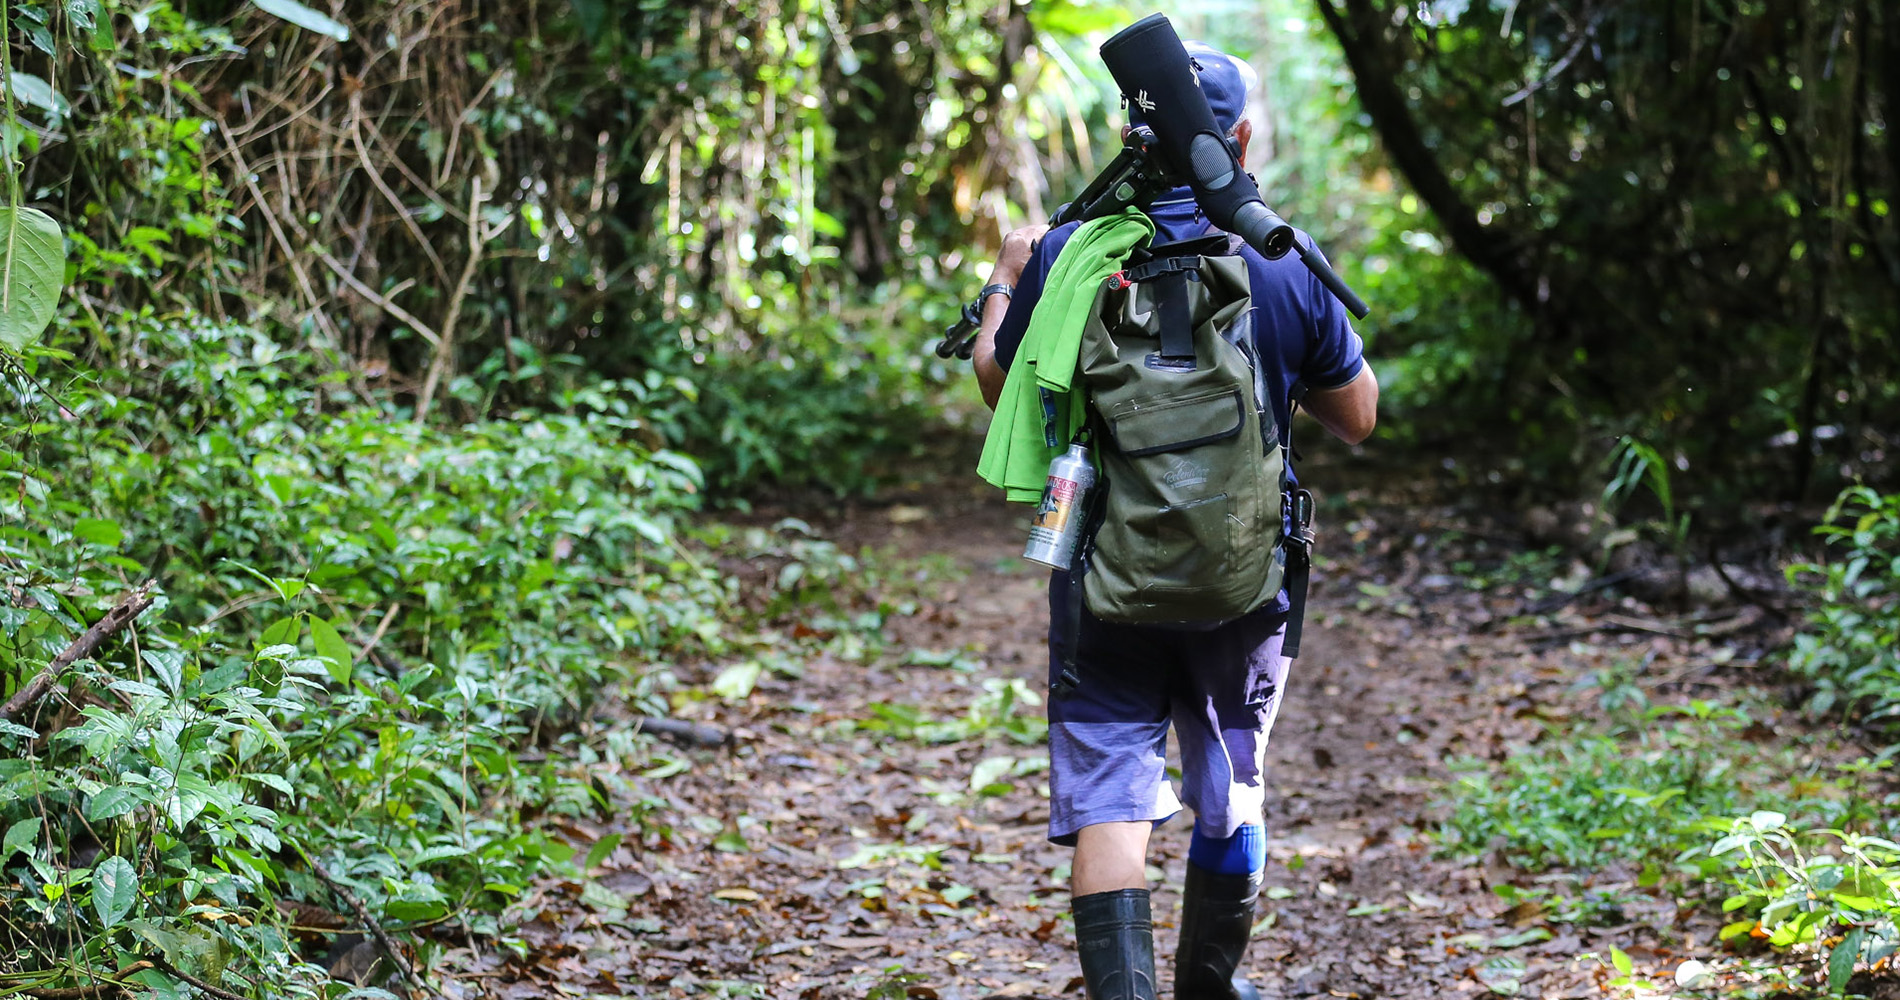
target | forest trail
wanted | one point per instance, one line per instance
(843, 840)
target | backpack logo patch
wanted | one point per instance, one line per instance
(1183, 474)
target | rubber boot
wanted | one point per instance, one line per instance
(1216, 921)
(1114, 937)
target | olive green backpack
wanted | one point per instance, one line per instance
(1188, 516)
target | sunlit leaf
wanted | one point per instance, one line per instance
(32, 268)
(21, 837)
(304, 17)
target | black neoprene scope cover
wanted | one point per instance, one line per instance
(1155, 73)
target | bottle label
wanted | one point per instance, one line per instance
(1052, 514)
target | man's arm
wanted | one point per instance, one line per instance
(1008, 271)
(1350, 411)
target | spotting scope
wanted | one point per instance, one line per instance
(1180, 144)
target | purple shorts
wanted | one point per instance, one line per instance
(1219, 688)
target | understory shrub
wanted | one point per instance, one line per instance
(1850, 651)
(372, 654)
(1831, 894)
(1634, 793)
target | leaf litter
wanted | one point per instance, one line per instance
(878, 828)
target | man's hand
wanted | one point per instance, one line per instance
(1015, 254)
(1017, 247)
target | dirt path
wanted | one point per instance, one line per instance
(842, 840)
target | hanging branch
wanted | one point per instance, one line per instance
(122, 614)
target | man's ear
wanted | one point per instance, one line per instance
(1243, 135)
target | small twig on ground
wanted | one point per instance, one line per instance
(122, 614)
(1749, 594)
(1556, 601)
(691, 733)
(375, 926)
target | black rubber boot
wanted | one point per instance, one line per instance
(1114, 936)
(1216, 921)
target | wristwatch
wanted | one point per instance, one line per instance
(1005, 291)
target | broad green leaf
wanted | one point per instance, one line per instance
(438, 853)
(333, 649)
(1621, 959)
(136, 689)
(276, 781)
(113, 802)
(1840, 961)
(304, 17)
(194, 950)
(98, 532)
(284, 633)
(21, 838)
(115, 887)
(32, 90)
(169, 665)
(32, 268)
(1520, 938)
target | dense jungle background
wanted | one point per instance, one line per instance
(483, 517)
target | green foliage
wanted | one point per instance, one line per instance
(1679, 211)
(1851, 649)
(1835, 894)
(1581, 801)
(364, 624)
(1634, 465)
(998, 710)
(838, 420)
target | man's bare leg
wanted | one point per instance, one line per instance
(1110, 856)
(1114, 930)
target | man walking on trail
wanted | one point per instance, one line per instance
(1219, 686)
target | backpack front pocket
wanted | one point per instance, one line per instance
(1189, 544)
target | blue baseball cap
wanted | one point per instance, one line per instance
(1225, 81)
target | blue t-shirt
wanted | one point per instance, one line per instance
(1303, 333)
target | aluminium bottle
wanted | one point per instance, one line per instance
(1058, 522)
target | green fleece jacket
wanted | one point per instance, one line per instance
(1025, 435)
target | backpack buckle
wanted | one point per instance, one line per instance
(1300, 514)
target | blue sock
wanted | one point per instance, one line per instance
(1241, 854)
